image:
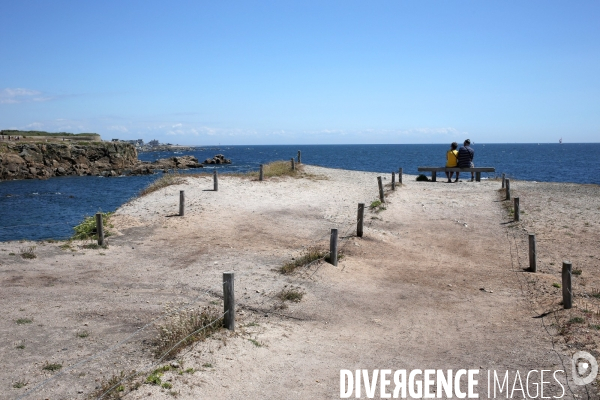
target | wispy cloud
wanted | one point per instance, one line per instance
(117, 128)
(21, 95)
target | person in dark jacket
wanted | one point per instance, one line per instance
(465, 158)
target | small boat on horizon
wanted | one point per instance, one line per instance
(560, 141)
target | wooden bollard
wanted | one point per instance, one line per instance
(360, 219)
(260, 173)
(503, 179)
(228, 301)
(532, 254)
(381, 197)
(181, 202)
(333, 247)
(215, 181)
(299, 157)
(400, 176)
(508, 189)
(293, 164)
(517, 209)
(566, 285)
(99, 229)
(393, 181)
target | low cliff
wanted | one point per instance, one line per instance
(44, 160)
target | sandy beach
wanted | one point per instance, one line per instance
(437, 281)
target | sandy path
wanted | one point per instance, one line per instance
(407, 295)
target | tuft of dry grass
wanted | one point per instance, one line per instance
(184, 327)
(311, 254)
(28, 253)
(278, 168)
(115, 387)
(291, 294)
(172, 178)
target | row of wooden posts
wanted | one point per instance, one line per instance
(228, 277)
(567, 267)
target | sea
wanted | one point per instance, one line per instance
(49, 209)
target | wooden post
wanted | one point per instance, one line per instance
(99, 229)
(228, 301)
(380, 190)
(400, 176)
(503, 179)
(478, 176)
(216, 181)
(566, 285)
(181, 202)
(299, 157)
(508, 189)
(333, 247)
(517, 210)
(393, 181)
(293, 164)
(260, 174)
(433, 176)
(532, 254)
(360, 219)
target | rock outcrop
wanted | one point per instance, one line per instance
(218, 159)
(44, 160)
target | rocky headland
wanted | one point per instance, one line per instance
(45, 160)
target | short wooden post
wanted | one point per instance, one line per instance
(181, 202)
(299, 157)
(99, 229)
(433, 176)
(293, 164)
(393, 181)
(260, 174)
(503, 179)
(566, 285)
(381, 197)
(228, 301)
(400, 176)
(508, 189)
(478, 176)
(216, 181)
(360, 219)
(517, 210)
(333, 247)
(532, 254)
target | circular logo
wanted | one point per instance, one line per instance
(585, 368)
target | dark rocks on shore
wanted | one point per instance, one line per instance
(45, 160)
(218, 159)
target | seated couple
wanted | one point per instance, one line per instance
(461, 158)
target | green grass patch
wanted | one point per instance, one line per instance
(576, 272)
(169, 179)
(256, 342)
(19, 384)
(311, 254)
(556, 285)
(23, 321)
(577, 320)
(87, 228)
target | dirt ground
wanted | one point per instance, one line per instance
(436, 282)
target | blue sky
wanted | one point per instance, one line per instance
(306, 72)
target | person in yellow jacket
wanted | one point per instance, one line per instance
(451, 160)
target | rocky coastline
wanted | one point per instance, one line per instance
(46, 160)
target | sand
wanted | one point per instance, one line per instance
(436, 282)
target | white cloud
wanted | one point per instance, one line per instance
(21, 95)
(118, 128)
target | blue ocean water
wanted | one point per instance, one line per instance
(35, 209)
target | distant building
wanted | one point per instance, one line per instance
(153, 143)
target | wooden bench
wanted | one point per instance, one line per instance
(477, 170)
